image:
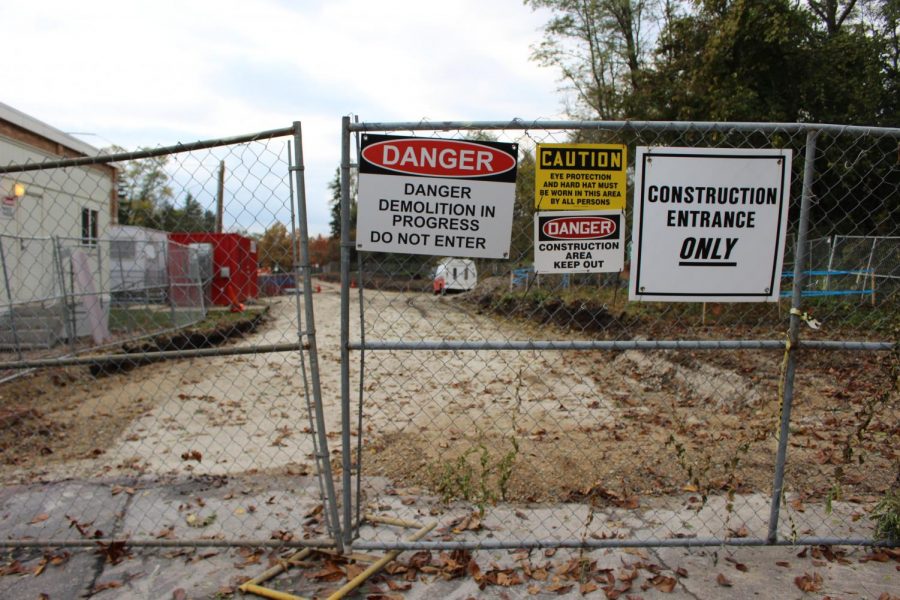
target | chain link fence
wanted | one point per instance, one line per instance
(165, 401)
(186, 401)
(539, 411)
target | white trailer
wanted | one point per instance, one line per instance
(137, 262)
(455, 275)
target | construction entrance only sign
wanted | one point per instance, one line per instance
(709, 224)
(436, 196)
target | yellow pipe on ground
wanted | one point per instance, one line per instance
(375, 567)
(252, 588)
(273, 571)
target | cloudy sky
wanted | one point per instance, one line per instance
(143, 73)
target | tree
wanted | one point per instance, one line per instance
(274, 249)
(323, 250)
(599, 48)
(739, 60)
(335, 187)
(143, 189)
(190, 217)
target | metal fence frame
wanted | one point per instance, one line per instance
(789, 346)
(305, 345)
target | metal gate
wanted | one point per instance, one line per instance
(548, 411)
(165, 403)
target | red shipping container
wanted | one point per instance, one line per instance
(234, 265)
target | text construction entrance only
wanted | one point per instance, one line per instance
(709, 224)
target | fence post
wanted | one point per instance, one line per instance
(869, 274)
(325, 463)
(345, 327)
(12, 312)
(793, 332)
(63, 294)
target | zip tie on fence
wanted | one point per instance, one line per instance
(806, 318)
(813, 324)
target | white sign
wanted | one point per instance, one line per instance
(578, 242)
(436, 196)
(709, 224)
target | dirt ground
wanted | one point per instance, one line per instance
(612, 428)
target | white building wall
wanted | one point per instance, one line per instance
(51, 208)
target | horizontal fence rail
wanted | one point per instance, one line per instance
(548, 411)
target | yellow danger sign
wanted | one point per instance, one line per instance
(580, 177)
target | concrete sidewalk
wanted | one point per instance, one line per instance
(215, 508)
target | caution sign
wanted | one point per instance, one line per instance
(436, 196)
(583, 242)
(580, 177)
(709, 224)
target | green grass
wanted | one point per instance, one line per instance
(142, 319)
(159, 318)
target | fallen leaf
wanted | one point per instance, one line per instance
(740, 532)
(559, 588)
(681, 572)
(588, 587)
(419, 559)
(507, 578)
(179, 594)
(39, 519)
(114, 552)
(783, 563)
(475, 573)
(109, 585)
(663, 583)
(723, 581)
(192, 455)
(353, 570)
(809, 583)
(14, 568)
(195, 521)
(330, 572)
(398, 587)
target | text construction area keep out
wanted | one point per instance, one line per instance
(578, 242)
(436, 196)
(580, 177)
(709, 224)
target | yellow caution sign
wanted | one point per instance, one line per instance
(580, 177)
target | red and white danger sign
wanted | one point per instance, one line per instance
(578, 242)
(436, 196)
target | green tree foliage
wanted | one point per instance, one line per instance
(191, 216)
(599, 48)
(818, 61)
(274, 249)
(334, 186)
(146, 198)
(143, 189)
(523, 211)
(739, 60)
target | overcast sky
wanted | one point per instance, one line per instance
(141, 73)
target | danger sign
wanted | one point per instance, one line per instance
(436, 196)
(583, 242)
(709, 224)
(580, 177)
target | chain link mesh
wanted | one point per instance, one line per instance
(523, 447)
(168, 401)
